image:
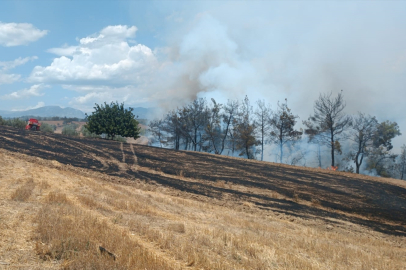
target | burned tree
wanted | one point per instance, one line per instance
(328, 122)
(195, 116)
(381, 159)
(263, 115)
(173, 127)
(213, 131)
(362, 134)
(244, 130)
(228, 120)
(156, 127)
(402, 162)
(282, 128)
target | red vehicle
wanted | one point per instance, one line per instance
(33, 124)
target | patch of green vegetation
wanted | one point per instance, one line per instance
(45, 127)
(70, 130)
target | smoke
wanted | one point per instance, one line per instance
(294, 50)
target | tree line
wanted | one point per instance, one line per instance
(354, 143)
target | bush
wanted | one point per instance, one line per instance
(86, 133)
(15, 122)
(45, 127)
(70, 130)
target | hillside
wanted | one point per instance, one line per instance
(181, 209)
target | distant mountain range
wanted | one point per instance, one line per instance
(46, 111)
(50, 111)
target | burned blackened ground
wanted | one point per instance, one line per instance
(302, 192)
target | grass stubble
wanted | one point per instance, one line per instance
(67, 216)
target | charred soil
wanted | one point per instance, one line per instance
(320, 202)
(373, 202)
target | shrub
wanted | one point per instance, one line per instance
(14, 122)
(86, 133)
(70, 130)
(45, 127)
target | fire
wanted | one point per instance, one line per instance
(333, 168)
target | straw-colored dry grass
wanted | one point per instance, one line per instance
(24, 192)
(66, 217)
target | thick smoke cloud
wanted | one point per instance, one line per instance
(293, 50)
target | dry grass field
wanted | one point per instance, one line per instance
(62, 198)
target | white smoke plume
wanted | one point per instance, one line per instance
(294, 50)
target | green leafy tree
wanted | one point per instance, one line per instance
(113, 119)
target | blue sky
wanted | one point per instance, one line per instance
(165, 53)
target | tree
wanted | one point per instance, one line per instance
(384, 134)
(213, 131)
(113, 119)
(173, 127)
(245, 131)
(195, 116)
(229, 119)
(363, 132)
(156, 128)
(402, 162)
(328, 122)
(381, 158)
(263, 115)
(282, 128)
(381, 161)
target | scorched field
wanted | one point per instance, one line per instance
(76, 203)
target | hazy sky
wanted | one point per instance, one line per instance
(165, 53)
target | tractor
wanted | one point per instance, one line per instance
(33, 124)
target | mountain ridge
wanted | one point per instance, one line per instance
(57, 111)
(46, 111)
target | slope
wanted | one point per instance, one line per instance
(192, 210)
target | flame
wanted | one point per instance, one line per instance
(333, 168)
